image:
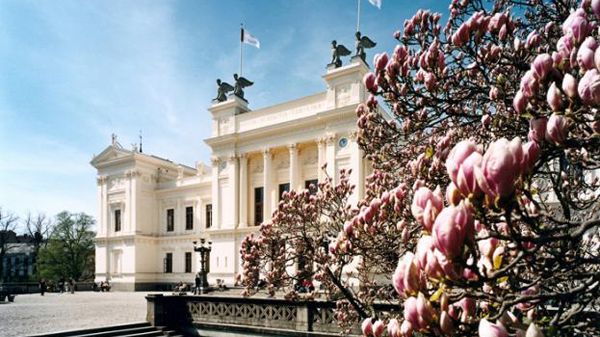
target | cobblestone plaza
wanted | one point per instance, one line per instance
(34, 314)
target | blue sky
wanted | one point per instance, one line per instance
(73, 72)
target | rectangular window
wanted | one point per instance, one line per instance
(170, 220)
(188, 262)
(283, 188)
(258, 205)
(189, 218)
(312, 185)
(169, 263)
(208, 215)
(117, 220)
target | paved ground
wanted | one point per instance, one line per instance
(34, 314)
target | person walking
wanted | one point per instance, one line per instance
(72, 285)
(42, 287)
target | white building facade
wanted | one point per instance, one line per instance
(151, 210)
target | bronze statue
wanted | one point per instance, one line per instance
(362, 43)
(240, 84)
(337, 51)
(222, 89)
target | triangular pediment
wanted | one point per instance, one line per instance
(111, 154)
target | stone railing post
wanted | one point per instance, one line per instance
(155, 314)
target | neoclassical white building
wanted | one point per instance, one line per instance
(152, 209)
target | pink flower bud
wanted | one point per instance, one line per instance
(380, 61)
(589, 87)
(596, 8)
(349, 229)
(500, 167)
(367, 327)
(393, 328)
(585, 58)
(378, 328)
(411, 314)
(576, 25)
(369, 81)
(553, 97)
(537, 129)
(487, 329)
(533, 331)
(406, 329)
(564, 45)
(466, 181)
(450, 229)
(468, 306)
(569, 84)
(590, 43)
(520, 102)
(541, 65)
(397, 35)
(406, 277)
(529, 84)
(446, 324)
(531, 153)
(424, 200)
(502, 33)
(493, 94)
(458, 154)
(424, 310)
(556, 129)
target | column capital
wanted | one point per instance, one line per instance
(215, 160)
(101, 180)
(321, 140)
(292, 147)
(330, 138)
(232, 158)
(266, 152)
(132, 173)
(243, 156)
(353, 135)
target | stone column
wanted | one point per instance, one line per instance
(216, 221)
(234, 180)
(330, 158)
(267, 159)
(294, 184)
(103, 221)
(243, 196)
(320, 159)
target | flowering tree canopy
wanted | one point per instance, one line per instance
(483, 210)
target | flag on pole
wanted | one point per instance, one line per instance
(376, 3)
(247, 38)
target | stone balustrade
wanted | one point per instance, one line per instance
(263, 316)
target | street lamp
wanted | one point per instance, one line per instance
(201, 278)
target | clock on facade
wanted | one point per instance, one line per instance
(343, 142)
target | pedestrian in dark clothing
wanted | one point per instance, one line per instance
(42, 286)
(72, 285)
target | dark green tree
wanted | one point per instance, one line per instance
(69, 252)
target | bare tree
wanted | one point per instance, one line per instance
(8, 224)
(39, 228)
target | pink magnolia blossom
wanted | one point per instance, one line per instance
(596, 8)
(569, 84)
(541, 65)
(519, 102)
(406, 328)
(556, 129)
(380, 61)
(533, 331)
(553, 97)
(500, 167)
(367, 327)
(406, 277)
(378, 328)
(487, 329)
(424, 310)
(426, 206)
(446, 324)
(531, 153)
(457, 155)
(450, 229)
(393, 328)
(589, 87)
(585, 58)
(453, 195)
(369, 81)
(576, 25)
(411, 313)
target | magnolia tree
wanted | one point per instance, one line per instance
(483, 210)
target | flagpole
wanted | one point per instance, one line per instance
(358, 16)
(241, 46)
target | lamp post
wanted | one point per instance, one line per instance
(204, 250)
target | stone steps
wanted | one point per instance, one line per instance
(142, 329)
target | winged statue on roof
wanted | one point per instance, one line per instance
(222, 89)
(362, 43)
(240, 84)
(337, 51)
